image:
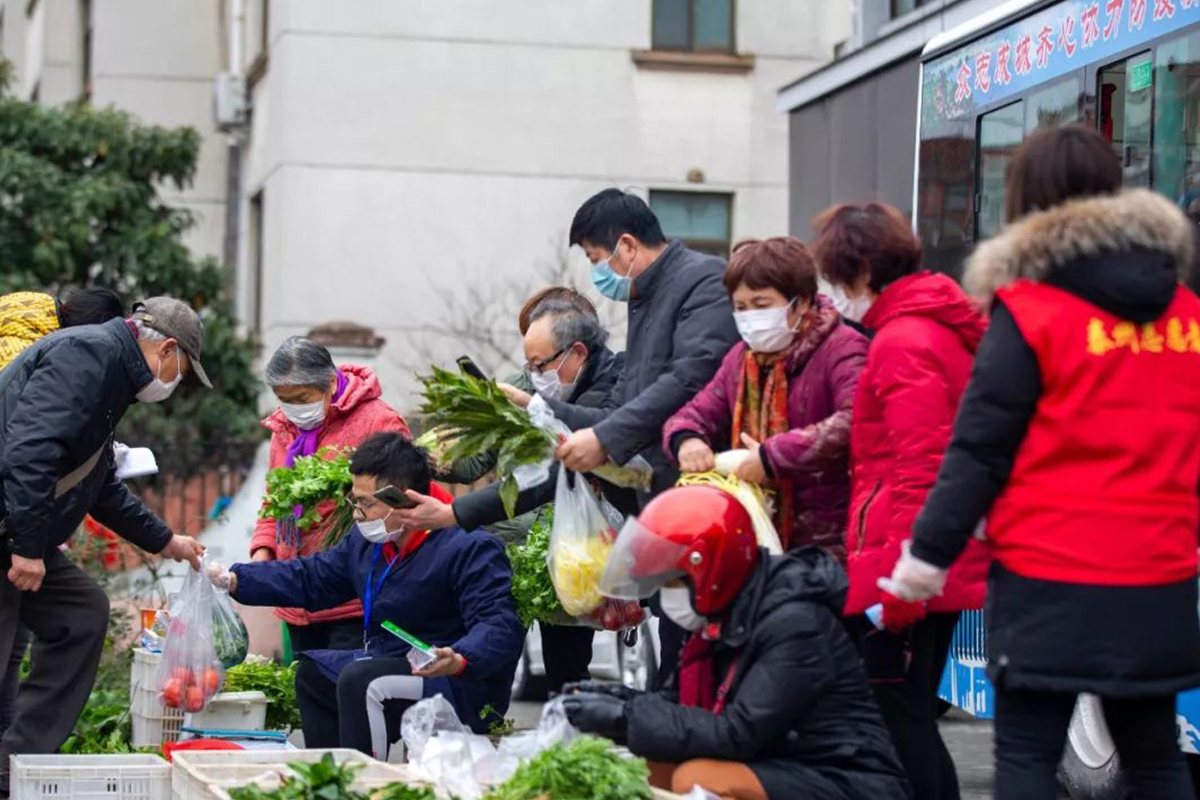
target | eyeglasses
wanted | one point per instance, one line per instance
(540, 366)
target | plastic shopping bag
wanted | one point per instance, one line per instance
(633, 474)
(580, 543)
(442, 750)
(229, 632)
(190, 672)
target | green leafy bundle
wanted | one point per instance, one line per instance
(586, 769)
(276, 682)
(480, 418)
(312, 480)
(103, 727)
(328, 780)
(531, 586)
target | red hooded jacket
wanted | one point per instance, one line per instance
(356, 416)
(927, 332)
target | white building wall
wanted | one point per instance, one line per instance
(403, 148)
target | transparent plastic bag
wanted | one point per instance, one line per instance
(633, 474)
(229, 632)
(580, 543)
(190, 673)
(553, 728)
(442, 750)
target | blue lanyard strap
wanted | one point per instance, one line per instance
(370, 591)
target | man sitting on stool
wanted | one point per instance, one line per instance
(447, 587)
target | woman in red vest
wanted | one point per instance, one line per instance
(1079, 438)
(925, 335)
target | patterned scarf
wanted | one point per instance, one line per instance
(761, 410)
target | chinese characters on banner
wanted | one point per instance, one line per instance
(1053, 42)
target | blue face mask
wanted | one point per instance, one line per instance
(609, 283)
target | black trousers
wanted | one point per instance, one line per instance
(342, 634)
(1031, 731)
(905, 670)
(68, 618)
(362, 710)
(567, 653)
(11, 680)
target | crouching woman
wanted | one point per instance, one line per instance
(770, 701)
(448, 587)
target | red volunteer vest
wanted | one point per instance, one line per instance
(1105, 485)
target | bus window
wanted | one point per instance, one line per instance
(1125, 101)
(1177, 122)
(1054, 106)
(1000, 132)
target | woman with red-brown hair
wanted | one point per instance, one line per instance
(925, 335)
(783, 393)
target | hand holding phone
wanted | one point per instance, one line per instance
(394, 497)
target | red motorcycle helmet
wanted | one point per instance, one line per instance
(696, 532)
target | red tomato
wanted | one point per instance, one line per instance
(195, 700)
(172, 693)
(212, 681)
(183, 675)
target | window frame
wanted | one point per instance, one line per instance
(722, 247)
(691, 32)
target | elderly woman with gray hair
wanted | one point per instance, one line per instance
(320, 405)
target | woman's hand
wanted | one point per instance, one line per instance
(447, 665)
(751, 470)
(429, 513)
(696, 456)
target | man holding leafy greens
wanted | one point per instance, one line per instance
(447, 587)
(327, 409)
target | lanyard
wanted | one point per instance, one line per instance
(370, 591)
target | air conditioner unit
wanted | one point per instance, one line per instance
(230, 103)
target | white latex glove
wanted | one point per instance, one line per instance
(221, 577)
(913, 579)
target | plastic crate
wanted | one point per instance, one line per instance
(233, 711)
(207, 774)
(116, 777)
(153, 723)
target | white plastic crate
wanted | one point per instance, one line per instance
(207, 774)
(116, 777)
(153, 723)
(232, 711)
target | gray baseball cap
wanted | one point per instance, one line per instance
(179, 321)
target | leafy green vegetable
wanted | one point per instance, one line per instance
(499, 725)
(586, 769)
(103, 727)
(328, 780)
(276, 682)
(478, 417)
(531, 585)
(325, 475)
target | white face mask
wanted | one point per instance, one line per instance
(158, 390)
(375, 531)
(676, 603)
(305, 416)
(765, 330)
(853, 310)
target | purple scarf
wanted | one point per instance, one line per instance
(306, 441)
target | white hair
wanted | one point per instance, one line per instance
(147, 334)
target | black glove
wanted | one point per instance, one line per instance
(597, 713)
(617, 690)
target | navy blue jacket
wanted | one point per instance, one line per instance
(455, 590)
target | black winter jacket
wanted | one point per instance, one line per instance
(59, 403)
(800, 701)
(483, 507)
(1125, 254)
(680, 328)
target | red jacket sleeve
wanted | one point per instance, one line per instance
(709, 414)
(918, 413)
(825, 444)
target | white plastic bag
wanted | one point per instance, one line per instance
(441, 749)
(190, 673)
(553, 728)
(633, 474)
(580, 543)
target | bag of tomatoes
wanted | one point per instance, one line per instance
(190, 672)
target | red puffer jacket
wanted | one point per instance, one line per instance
(917, 368)
(356, 416)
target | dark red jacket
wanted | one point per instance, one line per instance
(926, 333)
(815, 454)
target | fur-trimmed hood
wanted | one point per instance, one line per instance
(1134, 219)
